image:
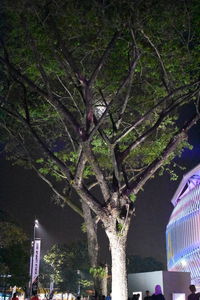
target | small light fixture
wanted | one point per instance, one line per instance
(36, 223)
(184, 262)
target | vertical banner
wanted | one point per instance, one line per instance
(35, 265)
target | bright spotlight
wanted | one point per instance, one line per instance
(36, 223)
(184, 262)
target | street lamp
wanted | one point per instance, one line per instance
(34, 261)
(79, 284)
(36, 225)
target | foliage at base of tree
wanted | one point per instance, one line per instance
(68, 267)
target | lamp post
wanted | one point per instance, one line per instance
(79, 284)
(34, 261)
(36, 225)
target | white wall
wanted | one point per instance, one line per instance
(176, 282)
(170, 282)
(144, 281)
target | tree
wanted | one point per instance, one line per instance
(14, 252)
(138, 264)
(65, 262)
(95, 97)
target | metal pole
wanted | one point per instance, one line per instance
(31, 270)
(32, 253)
(79, 285)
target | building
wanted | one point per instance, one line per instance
(174, 285)
(183, 229)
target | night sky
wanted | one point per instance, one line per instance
(24, 196)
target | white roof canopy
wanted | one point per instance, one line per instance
(189, 181)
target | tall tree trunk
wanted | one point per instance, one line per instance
(92, 241)
(104, 282)
(93, 246)
(119, 274)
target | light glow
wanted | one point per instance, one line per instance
(184, 262)
(36, 223)
(178, 296)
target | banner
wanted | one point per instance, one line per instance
(36, 262)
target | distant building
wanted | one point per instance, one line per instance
(183, 229)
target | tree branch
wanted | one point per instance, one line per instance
(55, 102)
(178, 137)
(116, 168)
(40, 143)
(110, 115)
(162, 116)
(121, 87)
(65, 199)
(97, 170)
(103, 58)
(165, 75)
(78, 178)
(61, 46)
(67, 90)
(131, 72)
(149, 112)
(91, 234)
(89, 199)
(50, 154)
(63, 63)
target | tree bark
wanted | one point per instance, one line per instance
(104, 282)
(92, 242)
(119, 274)
(93, 247)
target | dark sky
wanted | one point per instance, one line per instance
(25, 197)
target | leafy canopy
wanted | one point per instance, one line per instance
(92, 91)
(40, 34)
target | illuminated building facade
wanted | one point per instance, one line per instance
(183, 229)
